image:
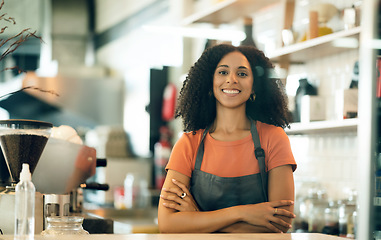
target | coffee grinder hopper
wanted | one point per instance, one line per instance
(22, 141)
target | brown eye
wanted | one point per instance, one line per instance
(242, 74)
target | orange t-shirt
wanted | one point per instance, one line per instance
(232, 158)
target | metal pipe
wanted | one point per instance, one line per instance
(367, 120)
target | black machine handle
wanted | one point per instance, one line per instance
(95, 186)
(101, 162)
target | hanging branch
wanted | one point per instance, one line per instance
(2, 16)
(14, 42)
(13, 68)
(8, 19)
(31, 87)
(18, 40)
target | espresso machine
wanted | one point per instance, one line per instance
(22, 141)
(61, 173)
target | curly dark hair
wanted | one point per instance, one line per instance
(197, 107)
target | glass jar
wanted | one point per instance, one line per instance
(315, 206)
(136, 194)
(346, 225)
(66, 225)
(331, 219)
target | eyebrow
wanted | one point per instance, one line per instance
(240, 67)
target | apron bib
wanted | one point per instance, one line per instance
(212, 192)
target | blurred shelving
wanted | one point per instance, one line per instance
(227, 11)
(346, 125)
(329, 44)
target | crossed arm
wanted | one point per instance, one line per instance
(182, 215)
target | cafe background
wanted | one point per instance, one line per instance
(118, 66)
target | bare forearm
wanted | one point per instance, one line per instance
(224, 220)
(242, 227)
(281, 186)
(190, 222)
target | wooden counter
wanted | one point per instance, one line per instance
(264, 236)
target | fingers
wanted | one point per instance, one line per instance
(172, 206)
(182, 186)
(175, 191)
(178, 197)
(281, 203)
(273, 228)
(284, 212)
(179, 189)
(174, 202)
(170, 196)
(280, 222)
(185, 194)
(175, 195)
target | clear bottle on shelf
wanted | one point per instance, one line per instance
(24, 207)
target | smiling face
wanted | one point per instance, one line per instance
(233, 81)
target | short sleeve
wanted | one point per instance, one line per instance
(277, 146)
(183, 154)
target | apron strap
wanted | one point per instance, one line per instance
(200, 151)
(260, 155)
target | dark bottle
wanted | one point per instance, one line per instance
(305, 88)
(209, 43)
(355, 76)
(248, 29)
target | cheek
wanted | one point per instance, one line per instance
(217, 81)
(251, 86)
(215, 90)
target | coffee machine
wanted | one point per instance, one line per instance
(61, 173)
(22, 141)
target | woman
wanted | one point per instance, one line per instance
(232, 169)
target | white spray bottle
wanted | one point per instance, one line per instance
(25, 204)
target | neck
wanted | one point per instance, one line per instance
(231, 120)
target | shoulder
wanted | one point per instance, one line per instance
(189, 139)
(277, 146)
(192, 136)
(269, 129)
(271, 135)
(183, 153)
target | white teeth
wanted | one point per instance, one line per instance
(230, 91)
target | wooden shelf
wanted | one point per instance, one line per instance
(346, 125)
(318, 47)
(331, 44)
(227, 11)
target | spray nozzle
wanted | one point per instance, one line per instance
(25, 174)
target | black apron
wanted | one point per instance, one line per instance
(212, 192)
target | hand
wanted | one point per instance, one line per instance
(174, 199)
(266, 213)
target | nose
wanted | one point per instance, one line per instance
(232, 78)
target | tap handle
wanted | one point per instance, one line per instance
(95, 186)
(101, 162)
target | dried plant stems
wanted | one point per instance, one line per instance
(31, 87)
(11, 44)
(16, 40)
